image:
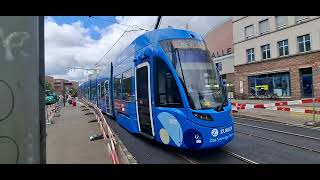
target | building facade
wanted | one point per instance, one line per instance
(50, 80)
(277, 56)
(59, 86)
(219, 41)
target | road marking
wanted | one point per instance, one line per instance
(279, 131)
(239, 157)
(192, 161)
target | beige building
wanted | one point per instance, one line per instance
(277, 55)
(219, 41)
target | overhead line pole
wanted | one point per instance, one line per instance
(158, 22)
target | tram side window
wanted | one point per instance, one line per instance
(102, 89)
(93, 92)
(127, 85)
(117, 87)
(166, 90)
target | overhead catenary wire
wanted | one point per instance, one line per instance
(113, 45)
(187, 21)
(101, 19)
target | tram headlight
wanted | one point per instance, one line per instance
(202, 116)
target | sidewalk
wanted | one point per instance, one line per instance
(278, 116)
(68, 139)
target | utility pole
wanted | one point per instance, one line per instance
(158, 22)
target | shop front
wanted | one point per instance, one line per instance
(269, 85)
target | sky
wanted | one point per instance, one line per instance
(80, 41)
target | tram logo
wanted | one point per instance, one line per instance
(214, 132)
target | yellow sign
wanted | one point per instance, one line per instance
(206, 104)
(263, 87)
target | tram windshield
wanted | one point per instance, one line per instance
(200, 79)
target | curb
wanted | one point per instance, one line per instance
(125, 156)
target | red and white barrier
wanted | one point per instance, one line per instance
(106, 132)
(50, 110)
(307, 111)
(237, 106)
(277, 106)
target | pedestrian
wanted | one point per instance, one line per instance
(69, 99)
(61, 100)
(284, 88)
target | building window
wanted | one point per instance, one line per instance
(250, 55)
(304, 43)
(264, 26)
(117, 87)
(219, 66)
(281, 21)
(249, 31)
(166, 90)
(283, 47)
(265, 50)
(300, 19)
(127, 85)
(266, 85)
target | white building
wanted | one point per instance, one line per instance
(277, 55)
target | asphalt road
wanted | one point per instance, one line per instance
(255, 141)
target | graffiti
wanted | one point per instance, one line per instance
(12, 41)
(8, 97)
(6, 142)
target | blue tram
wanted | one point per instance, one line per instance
(165, 87)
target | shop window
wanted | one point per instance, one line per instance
(267, 84)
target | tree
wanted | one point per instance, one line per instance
(73, 92)
(48, 86)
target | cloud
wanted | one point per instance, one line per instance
(70, 45)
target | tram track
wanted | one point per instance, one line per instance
(239, 157)
(278, 141)
(191, 160)
(278, 123)
(278, 131)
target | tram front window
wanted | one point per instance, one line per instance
(201, 80)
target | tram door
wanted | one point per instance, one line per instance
(143, 101)
(107, 96)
